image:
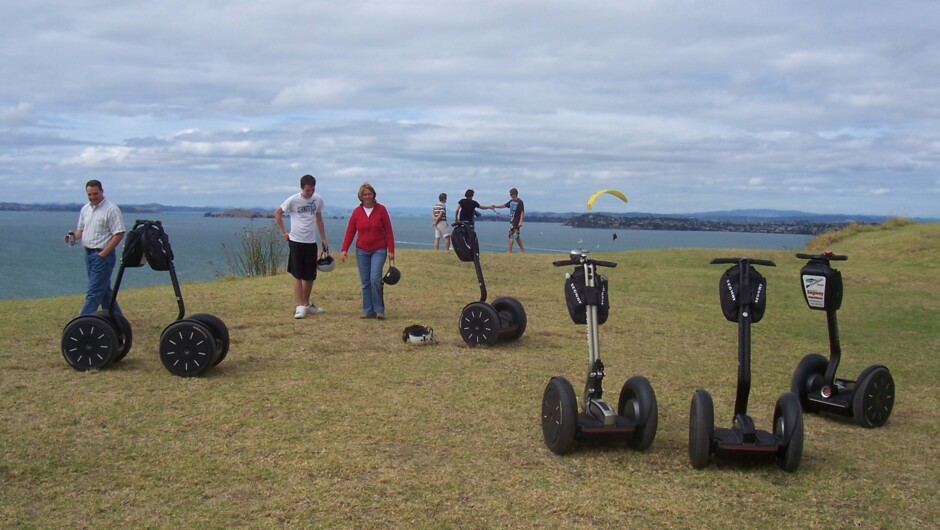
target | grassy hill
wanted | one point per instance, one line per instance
(334, 421)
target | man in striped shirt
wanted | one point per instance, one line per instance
(100, 229)
(439, 222)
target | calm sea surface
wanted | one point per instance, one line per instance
(35, 263)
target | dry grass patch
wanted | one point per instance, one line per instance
(334, 421)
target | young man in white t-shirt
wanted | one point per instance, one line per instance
(306, 219)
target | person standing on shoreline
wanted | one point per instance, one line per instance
(306, 218)
(100, 229)
(439, 222)
(516, 215)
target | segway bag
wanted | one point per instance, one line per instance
(147, 242)
(822, 286)
(729, 291)
(465, 242)
(578, 296)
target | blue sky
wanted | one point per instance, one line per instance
(686, 106)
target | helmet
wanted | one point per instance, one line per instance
(326, 263)
(418, 334)
(392, 276)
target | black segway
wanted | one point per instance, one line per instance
(187, 347)
(637, 416)
(743, 298)
(481, 323)
(870, 398)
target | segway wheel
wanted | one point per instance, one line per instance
(511, 313)
(701, 428)
(559, 415)
(788, 428)
(125, 336)
(808, 378)
(874, 397)
(219, 331)
(89, 342)
(638, 403)
(479, 324)
(187, 348)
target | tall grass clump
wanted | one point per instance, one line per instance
(261, 251)
(826, 240)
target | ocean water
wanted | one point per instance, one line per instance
(36, 263)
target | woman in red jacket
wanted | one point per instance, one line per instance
(375, 242)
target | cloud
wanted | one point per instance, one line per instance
(685, 105)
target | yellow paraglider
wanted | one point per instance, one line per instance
(615, 193)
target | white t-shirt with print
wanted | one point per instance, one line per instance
(303, 216)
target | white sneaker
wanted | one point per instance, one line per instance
(314, 310)
(300, 312)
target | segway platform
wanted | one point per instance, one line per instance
(742, 292)
(636, 417)
(868, 399)
(188, 347)
(480, 323)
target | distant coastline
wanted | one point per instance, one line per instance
(241, 213)
(749, 221)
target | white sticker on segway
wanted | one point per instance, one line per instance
(815, 289)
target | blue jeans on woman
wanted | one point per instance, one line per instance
(99, 282)
(370, 265)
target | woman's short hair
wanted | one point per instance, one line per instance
(366, 186)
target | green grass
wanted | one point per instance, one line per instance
(334, 421)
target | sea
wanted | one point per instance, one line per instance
(36, 263)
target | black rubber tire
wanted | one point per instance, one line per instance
(638, 403)
(506, 305)
(809, 377)
(479, 324)
(701, 428)
(788, 428)
(218, 329)
(125, 335)
(874, 397)
(89, 342)
(187, 348)
(559, 415)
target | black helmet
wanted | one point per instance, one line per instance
(326, 263)
(393, 275)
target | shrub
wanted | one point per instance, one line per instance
(262, 251)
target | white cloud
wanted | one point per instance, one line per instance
(684, 105)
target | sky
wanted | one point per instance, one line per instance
(683, 105)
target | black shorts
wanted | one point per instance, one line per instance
(302, 262)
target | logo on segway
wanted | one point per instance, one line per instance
(826, 392)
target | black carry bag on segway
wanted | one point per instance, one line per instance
(188, 347)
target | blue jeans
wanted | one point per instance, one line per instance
(370, 278)
(99, 282)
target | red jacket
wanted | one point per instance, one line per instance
(374, 231)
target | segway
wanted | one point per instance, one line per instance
(188, 347)
(481, 323)
(743, 298)
(870, 398)
(637, 416)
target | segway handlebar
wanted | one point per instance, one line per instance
(599, 263)
(826, 256)
(752, 261)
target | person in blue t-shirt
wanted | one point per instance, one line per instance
(516, 216)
